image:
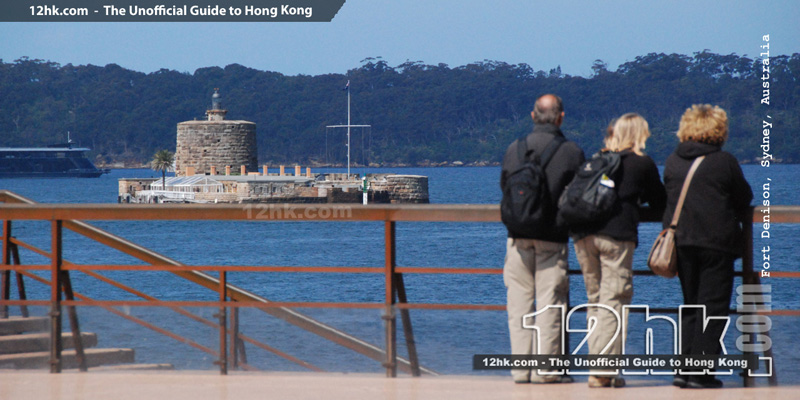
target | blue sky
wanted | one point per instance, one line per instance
(543, 34)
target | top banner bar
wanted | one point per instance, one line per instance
(169, 10)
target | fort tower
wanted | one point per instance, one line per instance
(215, 142)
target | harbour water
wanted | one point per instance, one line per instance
(446, 340)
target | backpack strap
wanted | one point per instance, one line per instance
(551, 149)
(547, 154)
(522, 150)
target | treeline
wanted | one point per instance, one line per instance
(420, 114)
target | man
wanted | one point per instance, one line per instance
(536, 264)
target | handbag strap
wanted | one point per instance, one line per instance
(685, 189)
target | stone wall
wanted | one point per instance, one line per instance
(201, 144)
(337, 195)
(384, 188)
(403, 188)
(133, 185)
(218, 197)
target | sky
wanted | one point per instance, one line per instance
(543, 34)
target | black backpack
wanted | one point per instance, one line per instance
(526, 207)
(591, 196)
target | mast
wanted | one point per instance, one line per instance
(348, 126)
(348, 129)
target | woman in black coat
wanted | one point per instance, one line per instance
(605, 249)
(709, 233)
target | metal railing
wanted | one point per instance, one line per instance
(230, 297)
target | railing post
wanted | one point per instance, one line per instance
(20, 283)
(55, 296)
(234, 338)
(223, 323)
(388, 315)
(5, 275)
(72, 314)
(408, 331)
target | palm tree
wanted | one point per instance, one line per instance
(162, 161)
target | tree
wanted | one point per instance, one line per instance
(162, 161)
(599, 67)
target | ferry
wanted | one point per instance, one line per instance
(54, 161)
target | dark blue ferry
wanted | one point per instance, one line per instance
(55, 161)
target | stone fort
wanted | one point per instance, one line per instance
(215, 142)
(207, 148)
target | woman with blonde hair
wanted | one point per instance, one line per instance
(709, 232)
(605, 248)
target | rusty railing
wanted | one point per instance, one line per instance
(231, 346)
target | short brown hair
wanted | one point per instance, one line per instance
(705, 124)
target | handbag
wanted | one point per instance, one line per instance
(663, 260)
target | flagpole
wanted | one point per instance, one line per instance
(349, 127)
(348, 130)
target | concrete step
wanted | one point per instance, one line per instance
(41, 360)
(36, 342)
(15, 325)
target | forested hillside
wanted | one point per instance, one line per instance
(420, 114)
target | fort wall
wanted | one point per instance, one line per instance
(201, 144)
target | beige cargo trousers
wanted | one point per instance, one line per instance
(535, 276)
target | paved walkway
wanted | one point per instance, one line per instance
(194, 385)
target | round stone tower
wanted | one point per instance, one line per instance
(215, 142)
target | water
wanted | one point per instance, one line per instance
(446, 339)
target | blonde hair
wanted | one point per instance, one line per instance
(705, 124)
(610, 130)
(630, 132)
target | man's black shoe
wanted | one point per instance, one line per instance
(704, 382)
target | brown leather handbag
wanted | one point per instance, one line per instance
(663, 260)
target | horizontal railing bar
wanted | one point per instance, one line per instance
(406, 306)
(226, 268)
(292, 269)
(236, 304)
(447, 270)
(784, 274)
(647, 272)
(254, 212)
(256, 268)
(298, 212)
(441, 306)
(783, 313)
(24, 267)
(25, 302)
(779, 214)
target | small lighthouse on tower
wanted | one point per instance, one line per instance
(216, 113)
